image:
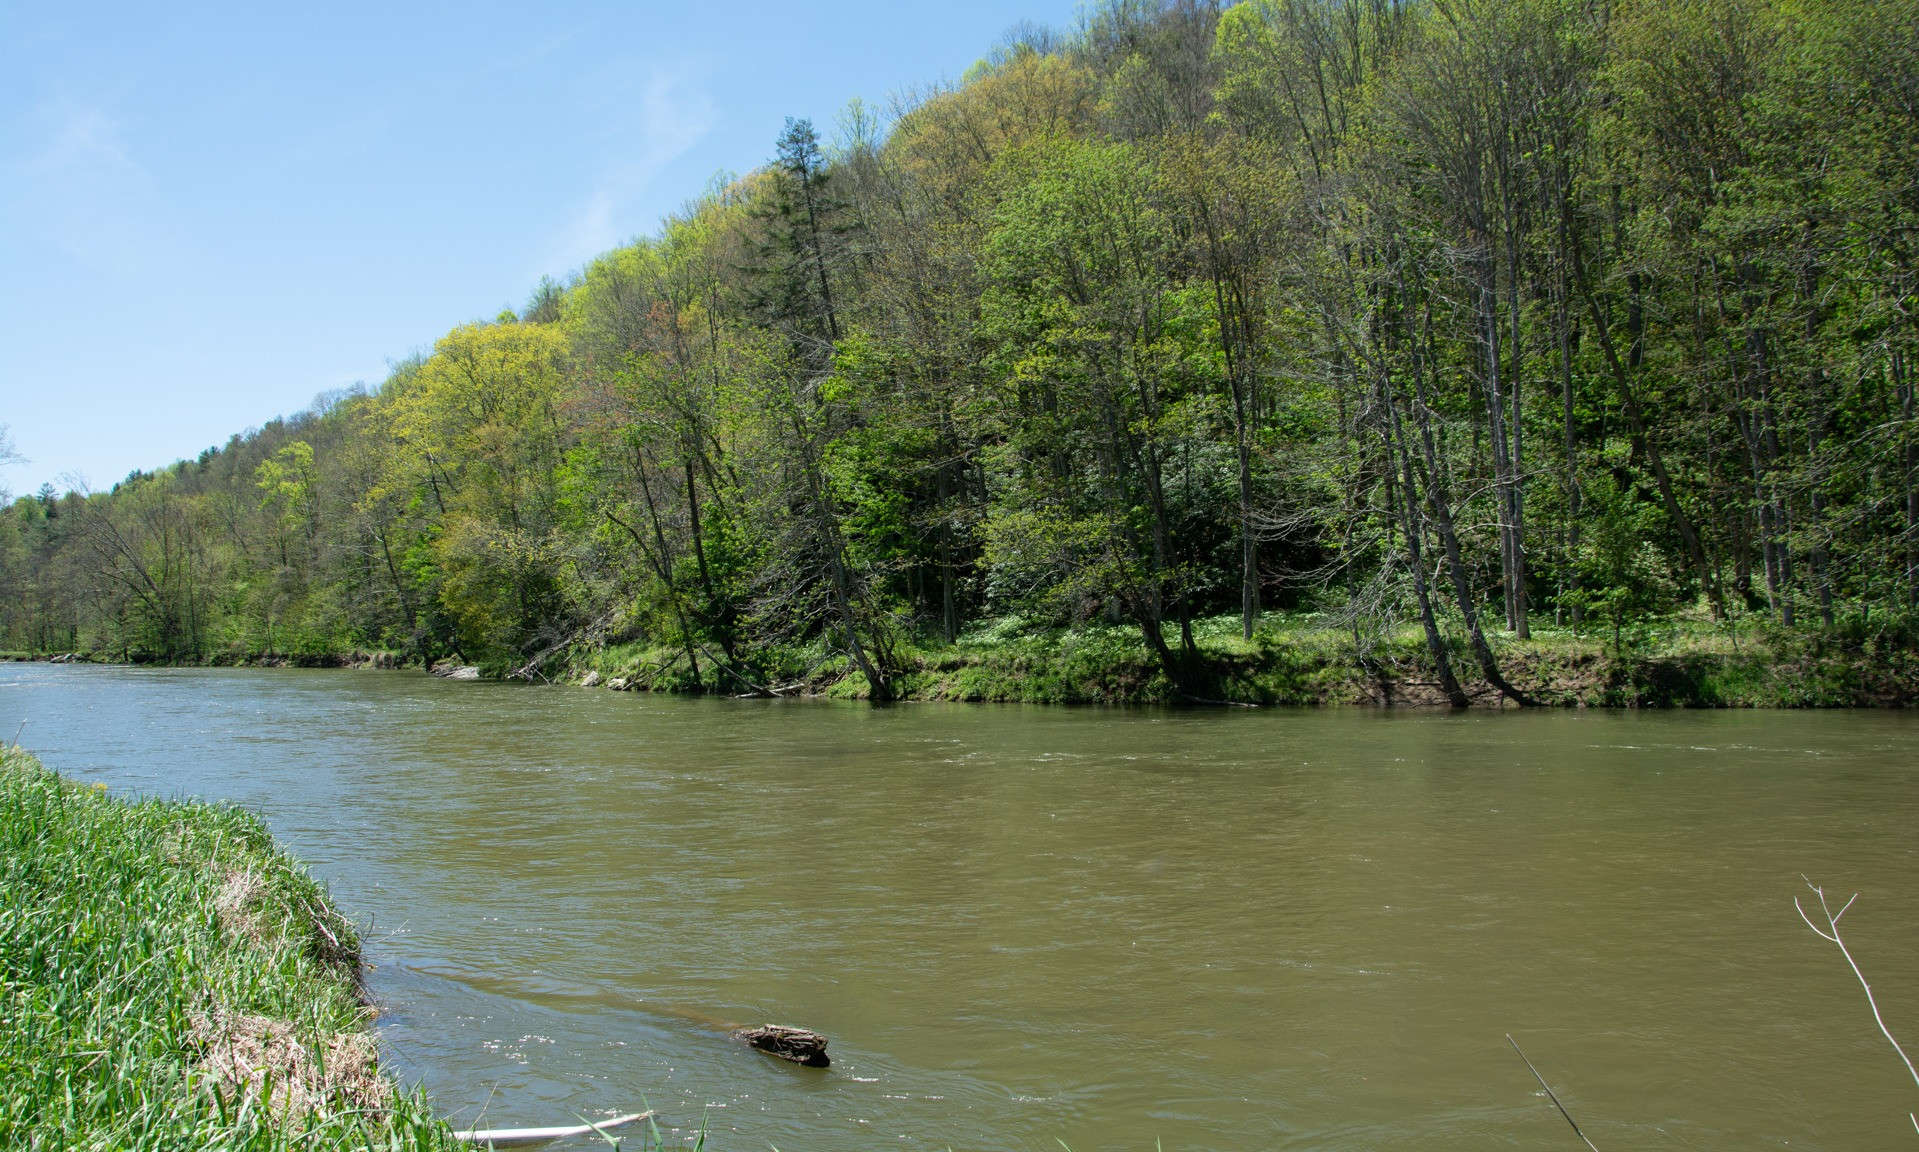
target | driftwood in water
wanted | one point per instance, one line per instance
(795, 1044)
(533, 1137)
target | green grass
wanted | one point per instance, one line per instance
(168, 980)
(1308, 659)
(1311, 660)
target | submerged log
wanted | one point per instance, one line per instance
(796, 1044)
(534, 1137)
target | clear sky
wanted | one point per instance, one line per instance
(210, 216)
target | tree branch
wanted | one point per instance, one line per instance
(1831, 932)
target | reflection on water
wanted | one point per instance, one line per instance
(1232, 930)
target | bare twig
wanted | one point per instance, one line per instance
(1831, 932)
(1550, 1094)
(319, 921)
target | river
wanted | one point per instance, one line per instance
(1023, 926)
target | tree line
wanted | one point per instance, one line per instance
(1468, 316)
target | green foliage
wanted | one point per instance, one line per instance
(1454, 320)
(1623, 576)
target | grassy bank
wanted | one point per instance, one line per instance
(1303, 660)
(355, 658)
(169, 980)
(1309, 661)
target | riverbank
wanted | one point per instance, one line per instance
(1305, 662)
(172, 980)
(1301, 661)
(355, 658)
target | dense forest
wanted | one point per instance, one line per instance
(1422, 326)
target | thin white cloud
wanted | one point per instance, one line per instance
(81, 181)
(83, 141)
(590, 230)
(672, 116)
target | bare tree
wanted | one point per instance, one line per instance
(8, 455)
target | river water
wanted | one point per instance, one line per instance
(1112, 929)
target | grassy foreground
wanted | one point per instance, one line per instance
(169, 980)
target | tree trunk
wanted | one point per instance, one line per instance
(841, 588)
(1487, 305)
(1439, 500)
(1521, 608)
(949, 607)
(1411, 529)
(663, 566)
(1569, 566)
(1903, 382)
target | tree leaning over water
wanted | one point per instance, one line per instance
(1460, 318)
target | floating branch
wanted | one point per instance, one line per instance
(533, 1137)
(1831, 932)
(1550, 1094)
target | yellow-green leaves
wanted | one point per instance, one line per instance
(285, 481)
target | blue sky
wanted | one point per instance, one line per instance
(210, 216)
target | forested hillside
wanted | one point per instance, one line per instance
(1422, 326)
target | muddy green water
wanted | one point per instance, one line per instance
(1221, 930)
